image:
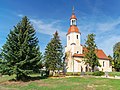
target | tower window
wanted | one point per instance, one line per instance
(103, 63)
(73, 22)
(68, 37)
(77, 36)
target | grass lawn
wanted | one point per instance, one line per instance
(114, 73)
(71, 83)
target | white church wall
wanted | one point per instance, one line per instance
(79, 66)
(72, 38)
(105, 65)
(79, 63)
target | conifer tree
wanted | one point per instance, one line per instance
(111, 60)
(90, 52)
(0, 63)
(3, 66)
(116, 56)
(53, 54)
(21, 53)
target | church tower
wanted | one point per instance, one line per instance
(73, 36)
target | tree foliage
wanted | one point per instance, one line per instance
(53, 53)
(0, 63)
(65, 61)
(111, 60)
(90, 52)
(21, 53)
(116, 56)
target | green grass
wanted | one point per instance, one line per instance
(114, 73)
(72, 83)
(91, 73)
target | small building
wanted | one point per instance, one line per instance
(74, 49)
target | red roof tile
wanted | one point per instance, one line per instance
(73, 29)
(100, 54)
(73, 16)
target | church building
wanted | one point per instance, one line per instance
(74, 50)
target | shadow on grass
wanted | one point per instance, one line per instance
(28, 78)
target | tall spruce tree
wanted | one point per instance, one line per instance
(53, 54)
(0, 63)
(3, 66)
(21, 53)
(90, 52)
(116, 56)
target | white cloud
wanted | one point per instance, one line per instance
(108, 26)
(107, 33)
(49, 28)
(20, 15)
(108, 43)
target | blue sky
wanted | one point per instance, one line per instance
(101, 17)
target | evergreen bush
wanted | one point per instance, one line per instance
(98, 73)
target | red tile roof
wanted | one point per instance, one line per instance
(73, 29)
(100, 54)
(73, 16)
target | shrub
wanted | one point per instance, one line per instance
(71, 74)
(98, 73)
(89, 73)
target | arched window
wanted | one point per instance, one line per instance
(77, 36)
(73, 44)
(73, 22)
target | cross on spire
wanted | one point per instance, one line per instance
(73, 10)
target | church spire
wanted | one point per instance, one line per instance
(73, 14)
(73, 10)
(73, 23)
(73, 18)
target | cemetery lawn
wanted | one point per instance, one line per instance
(65, 83)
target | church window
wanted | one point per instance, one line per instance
(73, 44)
(77, 36)
(77, 51)
(103, 63)
(73, 22)
(68, 37)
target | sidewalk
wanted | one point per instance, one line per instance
(111, 77)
